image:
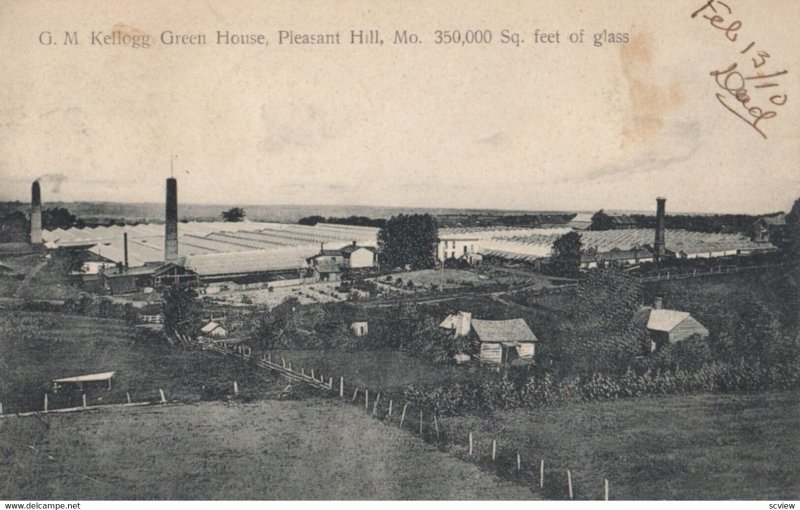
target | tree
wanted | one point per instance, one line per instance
(311, 220)
(181, 310)
(565, 258)
(601, 221)
(792, 233)
(58, 217)
(233, 214)
(409, 239)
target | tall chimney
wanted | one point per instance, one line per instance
(36, 214)
(125, 248)
(659, 245)
(658, 302)
(171, 225)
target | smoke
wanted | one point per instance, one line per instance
(52, 181)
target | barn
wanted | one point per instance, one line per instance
(671, 326)
(504, 341)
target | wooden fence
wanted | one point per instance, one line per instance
(667, 275)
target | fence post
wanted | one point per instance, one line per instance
(302, 371)
(569, 483)
(45, 402)
(341, 387)
(494, 449)
(235, 388)
(355, 394)
(375, 405)
(403, 416)
(128, 396)
(519, 463)
(84, 400)
(283, 362)
(436, 426)
(470, 443)
(605, 483)
(330, 383)
(269, 357)
(366, 399)
(163, 397)
(390, 409)
(290, 366)
(312, 374)
(1, 408)
(541, 474)
(420, 421)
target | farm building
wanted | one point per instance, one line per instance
(504, 341)
(350, 256)
(359, 257)
(214, 329)
(501, 341)
(581, 221)
(768, 228)
(326, 271)
(460, 323)
(359, 328)
(671, 326)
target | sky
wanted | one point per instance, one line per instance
(547, 126)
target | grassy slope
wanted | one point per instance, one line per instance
(383, 369)
(269, 450)
(688, 447)
(36, 347)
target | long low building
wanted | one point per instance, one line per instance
(628, 246)
(213, 249)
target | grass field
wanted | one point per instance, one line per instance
(36, 347)
(702, 447)
(385, 369)
(308, 449)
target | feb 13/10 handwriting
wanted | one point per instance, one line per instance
(753, 95)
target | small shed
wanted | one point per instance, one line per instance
(214, 329)
(359, 328)
(503, 341)
(326, 271)
(671, 326)
(81, 381)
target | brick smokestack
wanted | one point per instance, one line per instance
(659, 244)
(171, 225)
(125, 245)
(36, 214)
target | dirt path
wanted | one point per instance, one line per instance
(31, 275)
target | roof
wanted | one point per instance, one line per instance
(211, 326)
(327, 266)
(665, 320)
(347, 250)
(102, 376)
(146, 240)
(511, 330)
(776, 220)
(277, 259)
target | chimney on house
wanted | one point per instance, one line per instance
(659, 245)
(354, 244)
(125, 248)
(171, 225)
(658, 302)
(36, 214)
(463, 323)
(321, 247)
